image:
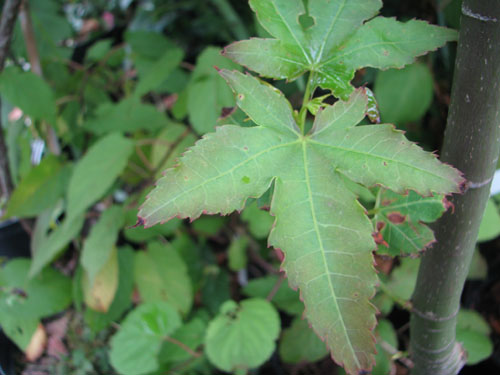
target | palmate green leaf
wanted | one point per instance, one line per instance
(323, 230)
(400, 220)
(337, 44)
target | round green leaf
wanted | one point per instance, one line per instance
(242, 337)
(473, 332)
(490, 224)
(135, 348)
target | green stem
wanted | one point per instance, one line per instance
(307, 97)
(471, 144)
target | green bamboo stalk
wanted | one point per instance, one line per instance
(471, 144)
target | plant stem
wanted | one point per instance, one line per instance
(471, 144)
(307, 97)
(36, 67)
(232, 18)
(7, 22)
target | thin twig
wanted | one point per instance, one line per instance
(276, 287)
(7, 22)
(183, 346)
(169, 152)
(396, 354)
(143, 158)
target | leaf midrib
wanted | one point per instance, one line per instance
(318, 236)
(330, 29)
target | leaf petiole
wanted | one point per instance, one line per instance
(308, 93)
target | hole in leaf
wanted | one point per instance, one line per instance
(306, 21)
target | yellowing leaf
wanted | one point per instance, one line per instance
(321, 227)
(99, 292)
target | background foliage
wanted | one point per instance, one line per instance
(128, 86)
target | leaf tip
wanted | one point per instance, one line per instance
(140, 222)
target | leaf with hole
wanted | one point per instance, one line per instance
(332, 39)
(242, 336)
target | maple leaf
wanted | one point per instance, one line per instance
(321, 227)
(337, 44)
(401, 221)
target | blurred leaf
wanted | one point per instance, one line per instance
(215, 289)
(159, 71)
(19, 330)
(96, 171)
(100, 243)
(259, 221)
(40, 189)
(490, 224)
(230, 332)
(285, 298)
(128, 115)
(473, 332)
(23, 301)
(161, 275)
(383, 303)
(38, 297)
(30, 93)
(400, 219)
(135, 348)
(237, 253)
(209, 225)
(174, 135)
(404, 95)
(45, 245)
(97, 321)
(403, 278)
(208, 93)
(99, 50)
(148, 44)
(478, 269)
(299, 343)
(99, 292)
(384, 332)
